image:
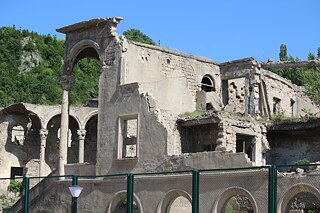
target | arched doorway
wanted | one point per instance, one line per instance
(90, 143)
(53, 141)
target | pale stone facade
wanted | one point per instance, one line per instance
(141, 123)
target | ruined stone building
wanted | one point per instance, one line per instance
(158, 110)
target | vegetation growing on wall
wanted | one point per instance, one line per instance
(15, 187)
(137, 35)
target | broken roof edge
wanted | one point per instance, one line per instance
(300, 125)
(88, 24)
(211, 118)
(283, 80)
(241, 60)
(177, 53)
(290, 64)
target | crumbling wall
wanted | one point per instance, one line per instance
(170, 77)
(236, 94)
(171, 80)
(251, 133)
(18, 145)
(281, 95)
(288, 147)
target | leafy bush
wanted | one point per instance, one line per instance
(15, 186)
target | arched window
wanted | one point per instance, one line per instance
(207, 83)
(239, 203)
(175, 201)
(235, 199)
(122, 207)
(303, 202)
(179, 204)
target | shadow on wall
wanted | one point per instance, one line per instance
(22, 133)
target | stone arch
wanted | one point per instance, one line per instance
(85, 48)
(293, 191)
(28, 123)
(90, 142)
(20, 129)
(121, 196)
(71, 115)
(88, 117)
(225, 196)
(53, 141)
(73, 145)
(169, 198)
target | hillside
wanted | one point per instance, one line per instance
(30, 66)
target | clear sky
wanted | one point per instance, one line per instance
(222, 30)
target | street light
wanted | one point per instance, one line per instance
(75, 192)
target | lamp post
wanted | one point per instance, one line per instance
(75, 192)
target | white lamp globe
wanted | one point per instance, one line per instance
(75, 190)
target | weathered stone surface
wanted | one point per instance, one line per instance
(139, 126)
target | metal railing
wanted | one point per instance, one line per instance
(254, 189)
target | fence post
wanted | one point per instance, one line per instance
(130, 193)
(195, 191)
(273, 189)
(74, 180)
(26, 194)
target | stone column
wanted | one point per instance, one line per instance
(66, 83)
(82, 136)
(221, 142)
(43, 140)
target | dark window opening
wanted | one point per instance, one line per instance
(276, 106)
(209, 106)
(292, 105)
(225, 92)
(199, 138)
(208, 147)
(207, 84)
(244, 144)
(16, 172)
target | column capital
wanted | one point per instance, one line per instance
(82, 134)
(66, 81)
(43, 133)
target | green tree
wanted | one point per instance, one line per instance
(137, 35)
(318, 56)
(311, 56)
(283, 53)
(86, 86)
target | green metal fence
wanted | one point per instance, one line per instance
(289, 188)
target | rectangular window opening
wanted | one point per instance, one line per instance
(276, 106)
(128, 137)
(244, 144)
(16, 172)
